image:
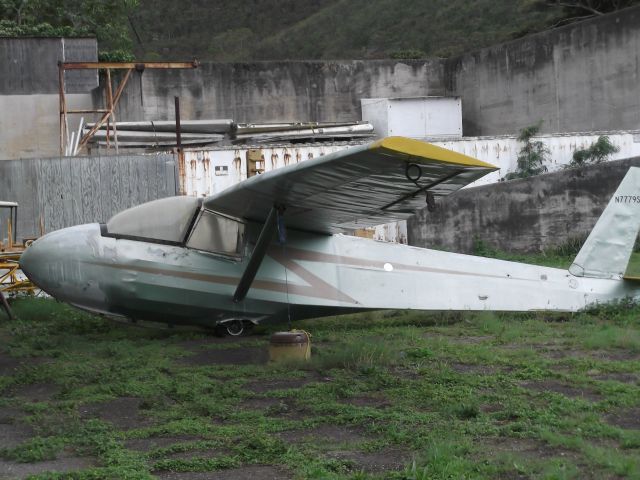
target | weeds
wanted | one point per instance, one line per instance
(364, 355)
(434, 387)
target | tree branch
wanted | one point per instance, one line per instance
(581, 5)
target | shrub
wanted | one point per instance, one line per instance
(532, 155)
(598, 152)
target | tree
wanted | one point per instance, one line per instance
(532, 155)
(576, 9)
(108, 20)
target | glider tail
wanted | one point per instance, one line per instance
(607, 250)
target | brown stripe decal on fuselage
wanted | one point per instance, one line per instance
(311, 256)
(316, 287)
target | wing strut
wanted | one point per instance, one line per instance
(260, 250)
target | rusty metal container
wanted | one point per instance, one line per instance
(287, 346)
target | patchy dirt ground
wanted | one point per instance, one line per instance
(123, 413)
(254, 472)
(64, 464)
(384, 397)
(229, 356)
(568, 390)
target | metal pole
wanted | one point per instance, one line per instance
(15, 225)
(5, 304)
(181, 166)
(111, 108)
(62, 108)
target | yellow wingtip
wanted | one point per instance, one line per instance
(427, 152)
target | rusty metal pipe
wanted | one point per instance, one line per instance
(181, 163)
(98, 110)
(128, 65)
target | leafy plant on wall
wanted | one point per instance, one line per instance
(532, 156)
(598, 152)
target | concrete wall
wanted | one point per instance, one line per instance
(521, 215)
(30, 65)
(30, 124)
(211, 170)
(29, 101)
(71, 191)
(581, 77)
(277, 91)
(502, 151)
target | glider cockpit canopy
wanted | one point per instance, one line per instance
(179, 221)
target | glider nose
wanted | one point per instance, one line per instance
(55, 261)
(36, 260)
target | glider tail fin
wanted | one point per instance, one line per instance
(607, 250)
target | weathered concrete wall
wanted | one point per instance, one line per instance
(521, 215)
(71, 191)
(29, 102)
(277, 91)
(502, 151)
(29, 66)
(30, 124)
(580, 77)
(211, 170)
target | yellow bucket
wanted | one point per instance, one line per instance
(294, 345)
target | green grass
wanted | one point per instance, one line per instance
(633, 269)
(474, 395)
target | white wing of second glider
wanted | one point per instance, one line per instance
(368, 185)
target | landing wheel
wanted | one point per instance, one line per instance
(234, 328)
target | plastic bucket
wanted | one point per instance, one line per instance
(295, 345)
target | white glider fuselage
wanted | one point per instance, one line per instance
(314, 274)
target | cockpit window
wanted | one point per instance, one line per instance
(217, 233)
(179, 221)
(165, 220)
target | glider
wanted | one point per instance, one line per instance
(271, 246)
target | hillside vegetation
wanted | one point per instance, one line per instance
(227, 30)
(317, 29)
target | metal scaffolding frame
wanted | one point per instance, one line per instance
(111, 98)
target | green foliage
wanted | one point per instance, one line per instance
(229, 30)
(37, 449)
(596, 153)
(532, 155)
(560, 256)
(363, 356)
(10, 28)
(408, 54)
(106, 19)
(116, 56)
(573, 10)
(482, 249)
(443, 460)
(614, 308)
(570, 248)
